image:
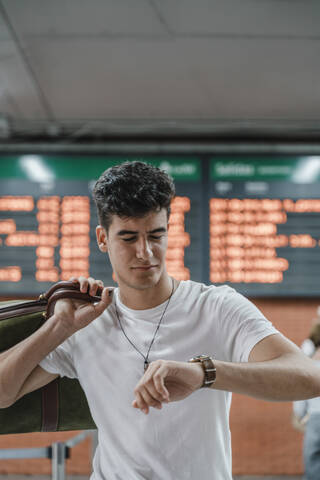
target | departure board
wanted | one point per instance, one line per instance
(48, 220)
(265, 225)
(252, 222)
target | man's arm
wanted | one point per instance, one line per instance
(277, 370)
(19, 370)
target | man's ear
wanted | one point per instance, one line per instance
(102, 239)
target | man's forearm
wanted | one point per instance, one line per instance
(18, 372)
(289, 377)
(17, 363)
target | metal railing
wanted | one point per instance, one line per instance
(57, 452)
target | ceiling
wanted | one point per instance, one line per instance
(93, 68)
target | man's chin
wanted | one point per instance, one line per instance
(143, 281)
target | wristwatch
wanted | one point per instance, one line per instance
(208, 368)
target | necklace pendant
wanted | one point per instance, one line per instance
(145, 357)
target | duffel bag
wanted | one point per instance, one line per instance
(60, 405)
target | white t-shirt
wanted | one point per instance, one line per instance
(186, 440)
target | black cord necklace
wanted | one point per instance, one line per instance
(145, 357)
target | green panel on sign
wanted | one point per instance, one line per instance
(184, 169)
(304, 169)
(44, 168)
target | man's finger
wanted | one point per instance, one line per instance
(140, 403)
(84, 283)
(106, 299)
(148, 399)
(158, 380)
(94, 285)
(156, 373)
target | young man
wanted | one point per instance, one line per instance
(134, 355)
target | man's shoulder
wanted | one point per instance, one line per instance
(192, 289)
(191, 285)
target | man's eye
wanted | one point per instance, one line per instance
(152, 237)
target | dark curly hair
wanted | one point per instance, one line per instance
(132, 189)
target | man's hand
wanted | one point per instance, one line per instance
(167, 381)
(73, 315)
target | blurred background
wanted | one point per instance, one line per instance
(224, 95)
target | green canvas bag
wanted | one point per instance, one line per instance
(60, 405)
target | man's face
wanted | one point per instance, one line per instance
(137, 248)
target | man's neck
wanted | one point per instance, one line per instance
(149, 297)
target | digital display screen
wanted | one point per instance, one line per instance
(265, 225)
(250, 222)
(47, 227)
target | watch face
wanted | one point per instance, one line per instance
(194, 359)
(202, 357)
(198, 358)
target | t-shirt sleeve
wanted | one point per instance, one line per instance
(242, 326)
(60, 361)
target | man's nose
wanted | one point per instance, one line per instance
(144, 251)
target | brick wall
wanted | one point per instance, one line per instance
(263, 440)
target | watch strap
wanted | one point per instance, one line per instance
(209, 369)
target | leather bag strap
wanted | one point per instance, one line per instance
(65, 286)
(66, 293)
(50, 406)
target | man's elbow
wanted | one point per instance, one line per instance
(303, 377)
(312, 381)
(5, 399)
(6, 402)
(316, 386)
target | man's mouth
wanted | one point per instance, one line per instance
(144, 267)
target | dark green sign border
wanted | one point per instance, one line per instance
(44, 168)
(298, 169)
